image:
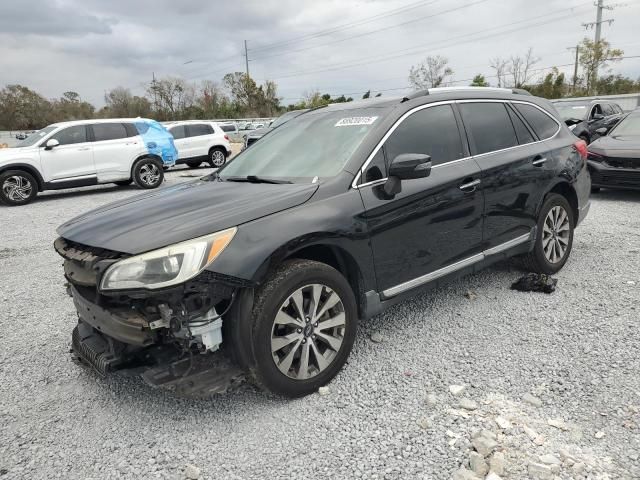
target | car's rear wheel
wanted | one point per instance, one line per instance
(217, 157)
(304, 321)
(17, 187)
(148, 173)
(194, 164)
(554, 236)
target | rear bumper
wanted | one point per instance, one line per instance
(611, 177)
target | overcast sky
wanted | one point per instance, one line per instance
(335, 46)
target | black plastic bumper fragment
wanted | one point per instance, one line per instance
(90, 349)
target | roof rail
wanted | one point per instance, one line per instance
(411, 96)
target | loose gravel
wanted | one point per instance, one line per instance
(547, 386)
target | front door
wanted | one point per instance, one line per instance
(435, 223)
(72, 158)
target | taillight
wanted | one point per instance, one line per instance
(581, 148)
(226, 137)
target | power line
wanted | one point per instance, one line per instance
(345, 26)
(371, 32)
(429, 46)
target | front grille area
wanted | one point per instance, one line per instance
(81, 261)
(615, 162)
(621, 178)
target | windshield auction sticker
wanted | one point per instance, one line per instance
(351, 121)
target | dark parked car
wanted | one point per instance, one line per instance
(585, 118)
(614, 159)
(353, 207)
(256, 135)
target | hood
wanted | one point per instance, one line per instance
(623, 146)
(259, 133)
(14, 152)
(169, 215)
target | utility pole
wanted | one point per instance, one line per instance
(598, 27)
(246, 57)
(575, 69)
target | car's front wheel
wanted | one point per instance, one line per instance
(304, 320)
(554, 236)
(17, 188)
(148, 173)
(217, 157)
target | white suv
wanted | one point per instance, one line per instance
(87, 152)
(200, 141)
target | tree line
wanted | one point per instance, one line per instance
(239, 96)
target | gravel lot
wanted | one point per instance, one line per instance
(561, 372)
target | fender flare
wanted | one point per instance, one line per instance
(28, 168)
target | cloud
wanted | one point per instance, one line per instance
(94, 45)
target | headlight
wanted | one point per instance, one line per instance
(167, 266)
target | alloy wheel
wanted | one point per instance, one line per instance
(555, 234)
(308, 331)
(217, 158)
(149, 173)
(17, 188)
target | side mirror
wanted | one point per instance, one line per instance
(51, 144)
(407, 166)
(602, 131)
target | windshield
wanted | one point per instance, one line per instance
(35, 137)
(571, 110)
(286, 117)
(628, 127)
(317, 144)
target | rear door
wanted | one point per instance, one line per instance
(72, 159)
(200, 137)
(514, 170)
(115, 146)
(180, 140)
(434, 225)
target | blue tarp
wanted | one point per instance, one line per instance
(158, 140)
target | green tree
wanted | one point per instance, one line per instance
(23, 109)
(595, 56)
(479, 81)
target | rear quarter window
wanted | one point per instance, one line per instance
(542, 124)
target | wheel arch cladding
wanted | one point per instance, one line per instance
(568, 192)
(158, 141)
(339, 259)
(28, 169)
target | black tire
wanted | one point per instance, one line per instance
(148, 173)
(536, 260)
(17, 187)
(585, 138)
(268, 300)
(124, 183)
(194, 164)
(217, 157)
(595, 189)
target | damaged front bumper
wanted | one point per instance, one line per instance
(171, 338)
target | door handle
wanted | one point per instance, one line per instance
(538, 162)
(470, 187)
(83, 149)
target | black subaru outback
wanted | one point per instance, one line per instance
(272, 261)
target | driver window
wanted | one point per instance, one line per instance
(71, 135)
(596, 110)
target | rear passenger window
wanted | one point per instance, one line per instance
(489, 126)
(432, 131)
(108, 131)
(71, 135)
(542, 124)
(522, 132)
(607, 109)
(198, 129)
(177, 132)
